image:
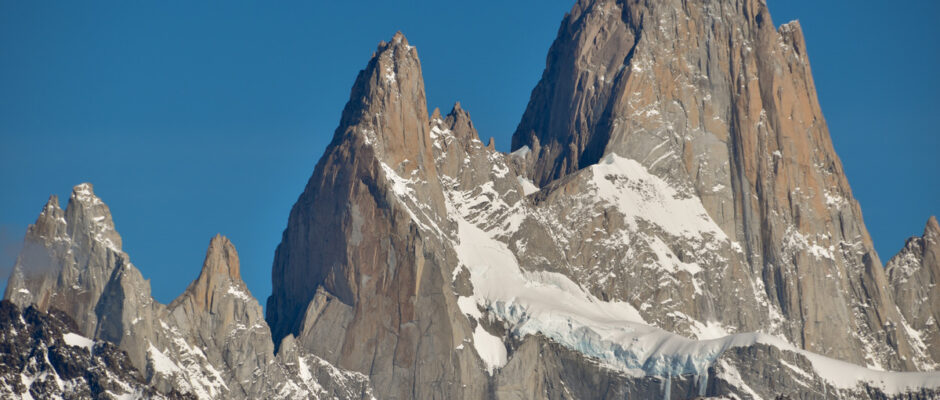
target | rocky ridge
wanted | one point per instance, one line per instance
(673, 222)
(913, 275)
(43, 358)
(642, 261)
(720, 105)
(211, 342)
(362, 274)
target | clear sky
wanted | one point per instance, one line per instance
(192, 118)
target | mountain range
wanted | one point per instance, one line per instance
(672, 222)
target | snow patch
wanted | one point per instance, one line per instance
(238, 293)
(521, 152)
(614, 333)
(708, 330)
(77, 340)
(833, 200)
(793, 240)
(527, 186)
(640, 195)
(161, 363)
(490, 348)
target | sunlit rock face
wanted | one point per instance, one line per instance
(718, 102)
(672, 222)
(362, 275)
(660, 195)
(210, 343)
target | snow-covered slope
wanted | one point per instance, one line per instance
(43, 358)
(673, 223)
(614, 332)
(718, 102)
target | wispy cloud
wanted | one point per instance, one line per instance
(11, 241)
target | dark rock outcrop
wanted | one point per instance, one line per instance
(41, 357)
(211, 342)
(672, 223)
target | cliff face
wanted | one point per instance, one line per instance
(218, 315)
(48, 253)
(360, 275)
(914, 274)
(43, 358)
(672, 223)
(520, 290)
(717, 102)
(72, 261)
(210, 343)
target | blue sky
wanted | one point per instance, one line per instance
(193, 118)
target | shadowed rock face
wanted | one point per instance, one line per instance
(361, 277)
(47, 253)
(715, 100)
(211, 342)
(673, 169)
(914, 274)
(43, 358)
(392, 290)
(72, 261)
(217, 314)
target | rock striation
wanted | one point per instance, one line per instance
(361, 276)
(43, 358)
(716, 101)
(913, 275)
(601, 274)
(673, 222)
(211, 342)
(218, 315)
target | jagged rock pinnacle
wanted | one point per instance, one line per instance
(220, 270)
(85, 192)
(716, 228)
(932, 226)
(458, 120)
(359, 231)
(89, 219)
(51, 221)
(221, 258)
(914, 275)
(51, 204)
(387, 109)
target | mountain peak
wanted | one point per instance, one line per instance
(932, 228)
(715, 100)
(89, 218)
(51, 221)
(393, 55)
(387, 108)
(381, 149)
(459, 123)
(220, 274)
(459, 113)
(84, 193)
(51, 204)
(222, 258)
(400, 39)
